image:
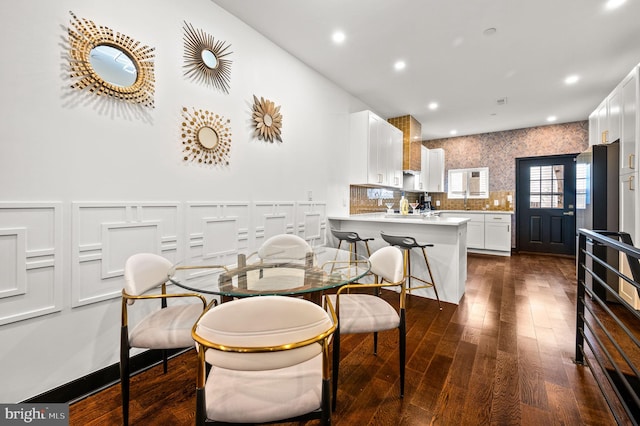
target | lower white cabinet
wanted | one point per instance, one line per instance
(497, 232)
(629, 223)
(487, 232)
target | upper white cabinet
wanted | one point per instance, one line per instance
(375, 151)
(629, 94)
(604, 122)
(435, 170)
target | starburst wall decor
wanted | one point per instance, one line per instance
(206, 59)
(267, 119)
(87, 46)
(206, 137)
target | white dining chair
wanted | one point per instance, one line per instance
(361, 312)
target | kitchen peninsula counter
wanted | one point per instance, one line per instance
(448, 256)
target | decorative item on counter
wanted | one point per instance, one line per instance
(414, 207)
(110, 64)
(389, 208)
(404, 205)
(267, 119)
(205, 58)
(206, 137)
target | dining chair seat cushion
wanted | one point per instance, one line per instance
(166, 328)
(262, 396)
(364, 313)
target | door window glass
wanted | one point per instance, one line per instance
(546, 187)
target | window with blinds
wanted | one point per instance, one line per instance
(468, 183)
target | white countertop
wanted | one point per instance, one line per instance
(408, 219)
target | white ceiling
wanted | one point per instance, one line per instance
(450, 61)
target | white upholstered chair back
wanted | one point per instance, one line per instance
(263, 322)
(387, 262)
(144, 271)
(284, 246)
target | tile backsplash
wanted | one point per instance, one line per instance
(372, 200)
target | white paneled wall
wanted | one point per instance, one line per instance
(114, 180)
(30, 260)
(106, 234)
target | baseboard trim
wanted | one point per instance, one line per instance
(98, 380)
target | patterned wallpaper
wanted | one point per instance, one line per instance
(499, 150)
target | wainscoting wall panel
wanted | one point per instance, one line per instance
(30, 260)
(273, 218)
(217, 231)
(312, 222)
(105, 234)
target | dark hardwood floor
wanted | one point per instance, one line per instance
(504, 356)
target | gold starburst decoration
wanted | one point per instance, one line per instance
(205, 58)
(84, 36)
(267, 119)
(206, 137)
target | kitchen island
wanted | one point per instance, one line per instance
(448, 256)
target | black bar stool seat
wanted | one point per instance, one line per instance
(352, 238)
(406, 243)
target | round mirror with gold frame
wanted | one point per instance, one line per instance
(205, 59)
(206, 137)
(109, 63)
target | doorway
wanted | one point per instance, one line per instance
(545, 204)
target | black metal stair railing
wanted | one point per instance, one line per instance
(607, 326)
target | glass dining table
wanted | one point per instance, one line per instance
(323, 269)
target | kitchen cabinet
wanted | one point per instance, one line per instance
(497, 232)
(375, 151)
(629, 101)
(606, 119)
(630, 223)
(475, 228)
(435, 172)
(618, 118)
(487, 232)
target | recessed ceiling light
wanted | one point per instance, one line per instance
(572, 79)
(338, 37)
(433, 105)
(400, 65)
(551, 118)
(453, 132)
(614, 4)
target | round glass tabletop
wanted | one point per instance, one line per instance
(323, 269)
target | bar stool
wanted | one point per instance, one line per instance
(406, 244)
(352, 238)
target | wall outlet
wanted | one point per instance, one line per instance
(496, 202)
(509, 199)
(437, 203)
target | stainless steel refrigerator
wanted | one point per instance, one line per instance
(597, 201)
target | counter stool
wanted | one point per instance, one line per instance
(352, 238)
(406, 244)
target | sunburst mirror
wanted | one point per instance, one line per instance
(267, 119)
(205, 59)
(109, 63)
(206, 137)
